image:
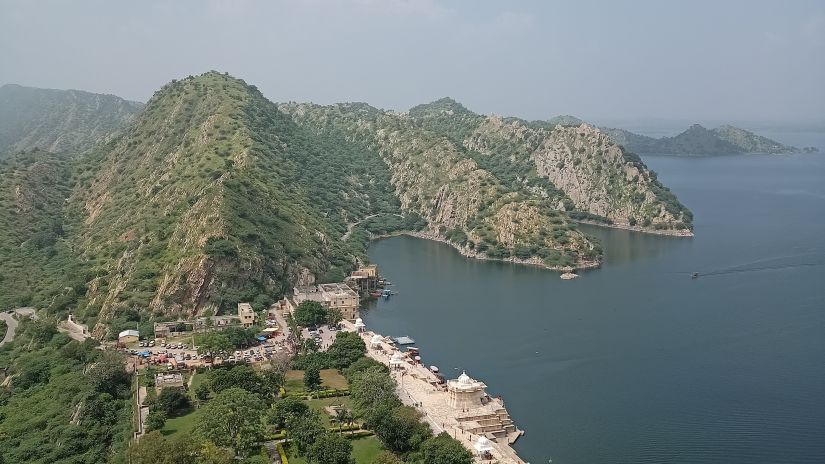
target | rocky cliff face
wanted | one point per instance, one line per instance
(589, 169)
(580, 169)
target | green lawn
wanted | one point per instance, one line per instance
(198, 379)
(364, 451)
(320, 404)
(330, 378)
(183, 423)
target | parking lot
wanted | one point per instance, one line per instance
(323, 335)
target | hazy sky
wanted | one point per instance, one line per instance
(600, 60)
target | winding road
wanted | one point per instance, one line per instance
(11, 326)
(11, 322)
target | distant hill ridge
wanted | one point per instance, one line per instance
(59, 121)
(697, 140)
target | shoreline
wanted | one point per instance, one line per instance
(665, 232)
(415, 387)
(585, 265)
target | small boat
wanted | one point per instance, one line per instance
(386, 293)
(694, 275)
(375, 294)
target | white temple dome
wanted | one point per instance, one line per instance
(376, 339)
(464, 379)
(359, 323)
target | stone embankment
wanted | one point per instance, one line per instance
(486, 425)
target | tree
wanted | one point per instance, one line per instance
(444, 449)
(312, 378)
(241, 376)
(361, 365)
(371, 387)
(172, 401)
(108, 375)
(303, 430)
(202, 392)
(330, 448)
(232, 419)
(213, 342)
(385, 457)
(401, 430)
(310, 313)
(347, 348)
(342, 416)
(156, 419)
(282, 410)
(334, 316)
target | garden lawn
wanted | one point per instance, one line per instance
(364, 450)
(321, 403)
(183, 423)
(330, 379)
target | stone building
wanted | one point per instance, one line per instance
(246, 314)
(465, 393)
(364, 279)
(334, 296)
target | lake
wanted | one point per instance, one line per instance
(637, 362)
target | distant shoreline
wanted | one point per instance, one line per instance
(475, 255)
(666, 232)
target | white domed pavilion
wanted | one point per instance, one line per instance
(376, 340)
(359, 325)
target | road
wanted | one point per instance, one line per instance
(11, 322)
(11, 326)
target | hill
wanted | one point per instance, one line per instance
(697, 140)
(212, 195)
(66, 121)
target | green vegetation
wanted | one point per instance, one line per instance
(697, 140)
(67, 401)
(60, 121)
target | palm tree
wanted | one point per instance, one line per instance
(342, 415)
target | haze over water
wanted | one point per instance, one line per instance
(636, 361)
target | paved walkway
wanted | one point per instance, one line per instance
(415, 388)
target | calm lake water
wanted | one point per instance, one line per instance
(637, 362)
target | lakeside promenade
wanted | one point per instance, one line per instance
(484, 429)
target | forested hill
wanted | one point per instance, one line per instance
(697, 140)
(212, 195)
(65, 121)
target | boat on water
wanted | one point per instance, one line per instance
(695, 275)
(375, 294)
(387, 293)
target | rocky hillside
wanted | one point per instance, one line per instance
(697, 140)
(212, 195)
(578, 168)
(459, 200)
(66, 121)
